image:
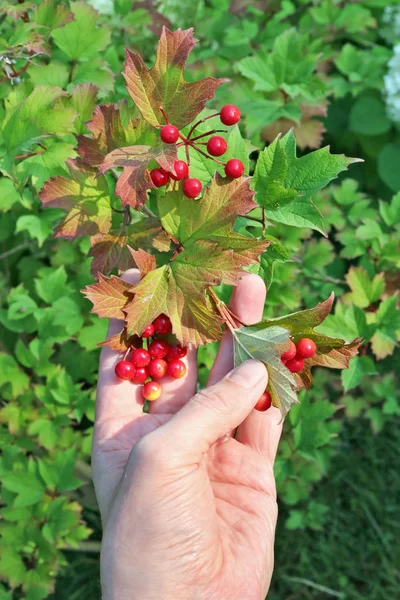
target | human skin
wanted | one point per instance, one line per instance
(188, 510)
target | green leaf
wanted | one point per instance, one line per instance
(9, 195)
(364, 290)
(81, 39)
(368, 115)
(38, 228)
(52, 285)
(390, 213)
(288, 67)
(360, 367)
(27, 486)
(35, 118)
(268, 345)
(388, 162)
(11, 374)
(47, 432)
(284, 183)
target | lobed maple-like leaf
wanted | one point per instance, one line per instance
(109, 296)
(163, 85)
(108, 133)
(110, 250)
(134, 181)
(333, 353)
(268, 345)
(120, 342)
(144, 261)
(209, 253)
(84, 196)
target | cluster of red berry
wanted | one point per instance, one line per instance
(294, 361)
(157, 361)
(216, 146)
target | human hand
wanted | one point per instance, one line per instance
(188, 511)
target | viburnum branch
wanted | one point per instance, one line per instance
(227, 315)
(164, 115)
(148, 211)
(220, 162)
(127, 215)
(16, 73)
(263, 220)
(211, 132)
(201, 121)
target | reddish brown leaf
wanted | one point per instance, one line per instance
(109, 296)
(120, 342)
(163, 85)
(109, 133)
(210, 253)
(85, 197)
(145, 262)
(110, 251)
(337, 358)
(135, 179)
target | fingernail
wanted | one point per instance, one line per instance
(249, 373)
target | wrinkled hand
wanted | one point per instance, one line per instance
(189, 512)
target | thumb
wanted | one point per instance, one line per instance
(214, 411)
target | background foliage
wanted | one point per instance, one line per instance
(328, 69)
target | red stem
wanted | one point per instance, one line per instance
(211, 132)
(202, 121)
(164, 115)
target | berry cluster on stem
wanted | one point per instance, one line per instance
(145, 366)
(215, 146)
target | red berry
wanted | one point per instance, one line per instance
(140, 376)
(125, 370)
(140, 357)
(148, 331)
(176, 369)
(169, 134)
(264, 402)
(181, 170)
(157, 368)
(234, 168)
(192, 187)
(306, 348)
(159, 177)
(175, 352)
(162, 324)
(158, 348)
(291, 353)
(151, 391)
(295, 365)
(216, 146)
(229, 114)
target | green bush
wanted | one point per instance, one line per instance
(325, 68)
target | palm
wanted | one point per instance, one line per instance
(230, 497)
